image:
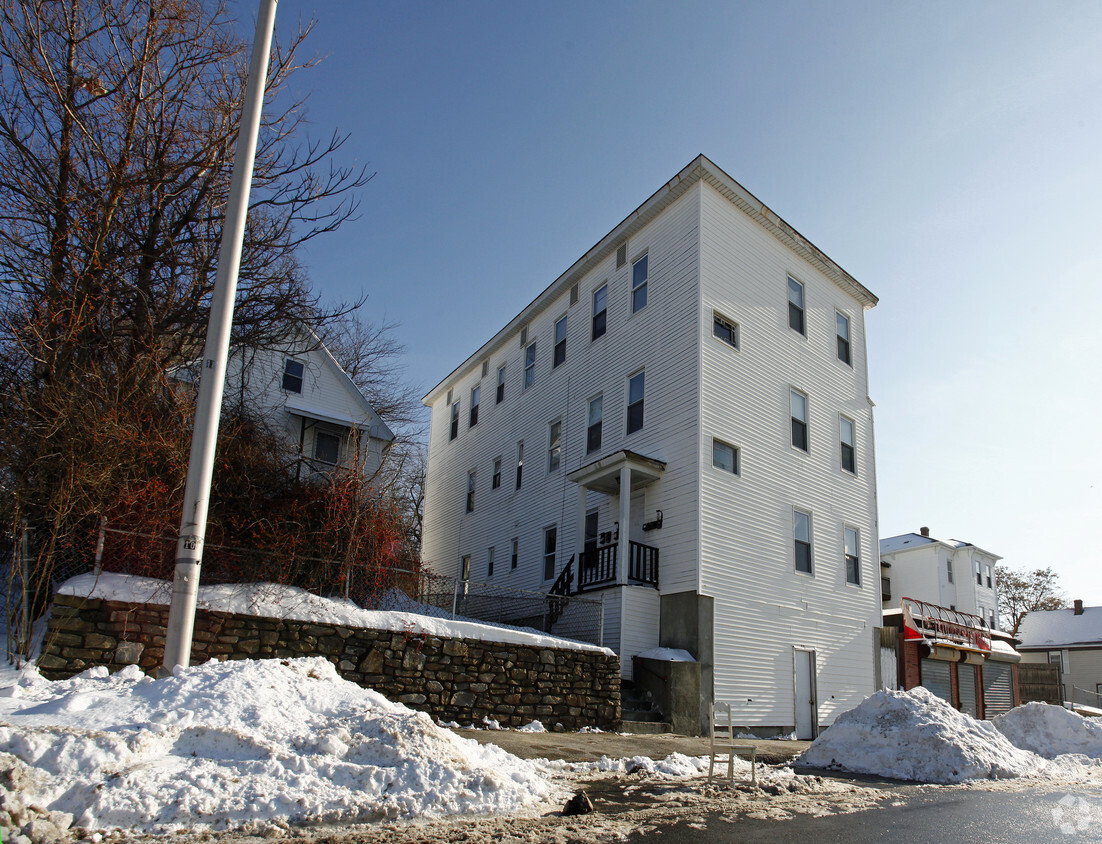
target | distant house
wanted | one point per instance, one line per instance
(299, 389)
(1071, 639)
(949, 573)
(679, 425)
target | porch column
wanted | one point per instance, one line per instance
(623, 549)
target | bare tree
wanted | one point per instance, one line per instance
(117, 124)
(1022, 591)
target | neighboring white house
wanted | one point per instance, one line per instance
(684, 412)
(299, 389)
(1071, 639)
(949, 573)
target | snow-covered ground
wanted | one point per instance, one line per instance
(917, 736)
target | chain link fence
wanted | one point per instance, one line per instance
(371, 587)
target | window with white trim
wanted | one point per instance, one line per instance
(559, 355)
(327, 447)
(530, 365)
(550, 542)
(847, 441)
(600, 311)
(725, 456)
(465, 568)
(949, 570)
(554, 445)
(514, 558)
(636, 388)
(594, 425)
(490, 562)
(455, 421)
(852, 543)
(798, 405)
(470, 491)
(796, 315)
(473, 414)
(844, 353)
(496, 480)
(639, 285)
(500, 384)
(520, 462)
(801, 536)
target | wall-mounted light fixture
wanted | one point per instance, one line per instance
(656, 524)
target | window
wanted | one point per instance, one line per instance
(485, 368)
(465, 568)
(621, 255)
(496, 480)
(473, 420)
(573, 295)
(593, 429)
(292, 375)
(470, 491)
(987, 575)
(327, 447)
(529, 366)
(639, 285)
(520, 462)
(725, 457)
(490, 563)
(554, 446)
(635, 402)
(796, 306)
(514, 559)
(559, 355)
(550, 538)
(949, 570)
(991, 620)
(843, 338)
(801, 530)
(798, 402)
(979, 577)
(524, 337)
(847, 437)
(600, 311)
(725, 330)
(885, 588)
(853, 558)
(455, 421)
(500, 384)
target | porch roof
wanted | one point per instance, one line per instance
(604, 475)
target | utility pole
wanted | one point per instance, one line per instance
(204, 438)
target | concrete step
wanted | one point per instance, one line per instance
(639, 714)
(645, 727)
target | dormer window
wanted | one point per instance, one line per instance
(293, 371)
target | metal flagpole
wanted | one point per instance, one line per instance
(193, 521)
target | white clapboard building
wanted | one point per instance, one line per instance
(682, 419)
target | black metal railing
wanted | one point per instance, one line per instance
(597, 567)
(560, 590)
(643, 567)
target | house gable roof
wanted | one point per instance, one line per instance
(1061, 628)
(699, 169)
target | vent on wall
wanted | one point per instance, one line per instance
(524, 337)
(449, 398)
(485, 368)
(621, 255)
(574, 295)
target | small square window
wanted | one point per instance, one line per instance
(725, 457)
(292, 375)
(725, 330)
(639, 285)
(844, 354)
(636, 386)
(796, 319)
(559, 355)
(600, 311)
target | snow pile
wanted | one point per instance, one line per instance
(1051, 731)
(915, 735)
(270, 600)
(258, 744)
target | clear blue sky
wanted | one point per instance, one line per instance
(947, 154)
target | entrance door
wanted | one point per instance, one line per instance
(806, 712)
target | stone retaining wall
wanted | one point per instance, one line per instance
(463, 680)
